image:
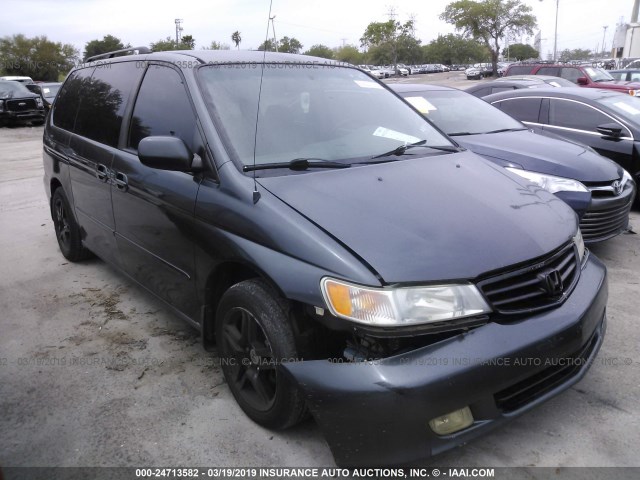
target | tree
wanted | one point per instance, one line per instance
(109, 43)
(320, 50)
(577, 54)
(218, 46)
(390, 41)
(236, 38)
(490, 20)
(267, 45)
(285, 45)
(349, 54)
(37, 57)
(454, 49)
(188, 42)
(520, 51)
(289, 45)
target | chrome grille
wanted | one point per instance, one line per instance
(527, 288)
(606, 222)
(21, 105)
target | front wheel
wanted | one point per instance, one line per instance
(254, 336)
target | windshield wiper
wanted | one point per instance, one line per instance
(459, 134)
(403, 148)
(297, 164)
(500, 130)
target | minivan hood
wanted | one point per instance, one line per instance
(430, 219)
(542, 154)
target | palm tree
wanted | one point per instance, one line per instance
(236, 38)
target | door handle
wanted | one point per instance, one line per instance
(121, 181)
(102, 172)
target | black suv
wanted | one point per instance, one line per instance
(18, 104)
(355, 265)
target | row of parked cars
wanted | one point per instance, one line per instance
(410, 279)
(23, 100)
(405, 70)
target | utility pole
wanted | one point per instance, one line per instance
(392, 16)
(604, 27)
(273, 26)
(178, 22)
(344, 41)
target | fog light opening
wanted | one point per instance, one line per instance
(452, 422)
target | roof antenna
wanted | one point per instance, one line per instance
(256, 193)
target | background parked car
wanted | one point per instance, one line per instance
(513, 83)
(628, 75)
(46, 90)
(585, 180)
(605, 120)
(18, 104)
(581, 75)
(16, 78)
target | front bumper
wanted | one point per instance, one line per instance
(11, 116)
(607, 216)
(377, 413)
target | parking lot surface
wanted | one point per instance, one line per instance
(95, 372)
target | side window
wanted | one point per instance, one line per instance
(519, 70)
(502, 89)
(553, 71)
(571, 74)
(66, 106)
(635, 76)
(523, 109)
(619, 75)
(575, 115)
(104, 99)
(481, 92)
(163, 108)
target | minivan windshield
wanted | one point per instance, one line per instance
(459, 113)
(309, 111)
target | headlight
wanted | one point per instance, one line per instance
(626, 177)
(577, 239)
(402, 306)
(549, 182)
(39, 101)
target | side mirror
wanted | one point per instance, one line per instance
(582, 81)
(165, 153)
(612, 130)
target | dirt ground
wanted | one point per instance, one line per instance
(96, 372)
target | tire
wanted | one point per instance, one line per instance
(252, 333)
(67, 229)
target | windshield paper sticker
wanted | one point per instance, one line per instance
(365, 84)
(402, 137)
(627, 108)
(421, 104)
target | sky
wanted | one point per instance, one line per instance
(329, 22)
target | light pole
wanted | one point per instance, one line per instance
(555, 35)
(604, 27)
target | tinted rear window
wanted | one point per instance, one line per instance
(66, 107)
(523, 109)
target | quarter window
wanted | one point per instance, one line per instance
(523, 109)
(66, 107)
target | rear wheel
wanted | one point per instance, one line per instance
(67, 229)
(254, 336)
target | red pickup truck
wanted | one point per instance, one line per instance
(582, 75)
